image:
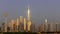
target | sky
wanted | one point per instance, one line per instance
(40, 10)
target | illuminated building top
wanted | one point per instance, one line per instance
(28, 12)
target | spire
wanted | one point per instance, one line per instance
(28, 12)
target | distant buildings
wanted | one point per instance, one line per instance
(42, 27)
(51, 27)
(33, 28)
(57, 27)
(29, 21)
(46, 25)
(25, 25)
(3, 27)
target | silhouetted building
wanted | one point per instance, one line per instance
(0, 29)
(46, 25)
(3, 27)
(32, 27)
(57, 27)
(51, 27)
(42, 27)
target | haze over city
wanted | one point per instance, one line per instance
(40, 10)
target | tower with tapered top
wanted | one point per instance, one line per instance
(29, 21)
(28, 12)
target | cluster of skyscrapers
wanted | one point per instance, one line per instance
(25, 25)
(49, 27)
(19, 24)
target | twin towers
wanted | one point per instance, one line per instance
(27, 24)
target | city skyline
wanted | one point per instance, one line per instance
(47, 9)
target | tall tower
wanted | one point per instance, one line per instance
(46, 24)
(51, 27)
(17, 24)
(29, 22)
(24, 24)
(21, 23)
(6, 16)
(41, 27)
(12, 23)
(28, 12)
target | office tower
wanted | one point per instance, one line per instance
(57, 27)
(3, 27)
(48, 28)
(51, 27)
(29, 22)
(17, 24)
(21, 19)
(24, 24)
(9, 26)
(32, 27)
(46, 25)
(29, 25)
(12, 23)
(42, 27)
(21, 23)
(6, 16)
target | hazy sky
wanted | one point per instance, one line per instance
(49, 9)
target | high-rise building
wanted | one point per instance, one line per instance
(12, 23)
(0, 29)
(9, 26)
(29, 25)
(29, 22)
(3, 27)
(46, 24)
(32, 27)
(24, 24)
(17, 24)
(21, 23)
(42, 26)
(21, 19)
(28, 12)
(57, 27)
(6, 16)
(51, 27)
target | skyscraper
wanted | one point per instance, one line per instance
(9, 26)
(12, 23)
(57, 27)
(6, 16)
(46, 24)
(17, 24)
(21, 19)
(24, 24)
(41, 27)
(29, 22)
(21, 23)
(28, 12)
(3, 27)
(51, 27)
